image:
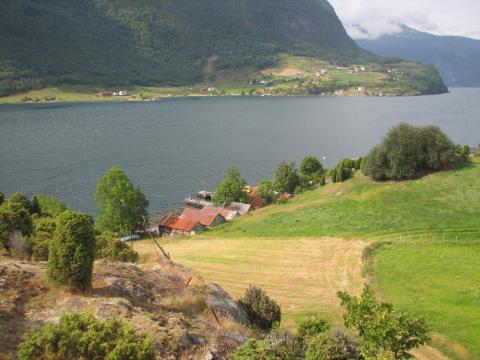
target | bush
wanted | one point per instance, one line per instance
(408, 151)
(282, 343)
(108, 246)
(342, 171)
(265, 191)
(43, 231)
(72, 251)
(335, 345)
(254, 350)
(231, 189)
(15, 222)
(262, 311)
(84, 337)
(310, 328)
(286, 178)
(382, 328)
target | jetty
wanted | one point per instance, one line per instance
(196, 203)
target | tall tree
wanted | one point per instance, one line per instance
(286, 177)
(122, 206)
(231, 189)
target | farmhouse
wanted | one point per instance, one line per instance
(205, 218)
(173, 225)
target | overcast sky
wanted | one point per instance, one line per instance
(441, 17)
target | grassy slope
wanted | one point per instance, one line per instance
(279, 248)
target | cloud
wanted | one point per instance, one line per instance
(379, 17)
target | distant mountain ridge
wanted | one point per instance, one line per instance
(457, 58)
(163, 42)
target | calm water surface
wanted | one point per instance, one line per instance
(170, 148)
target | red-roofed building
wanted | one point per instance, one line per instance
(255, 200)
(227, 214)
(173, 225)
(203, 217)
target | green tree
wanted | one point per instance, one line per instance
(310, 166)
(72, 251)
(122, 207)
(408, 151)
(81, 336)
(231, 189)
(382, 328)
(50, 205)
(15, 217)
(2, 198)
(266, 192)
(286, 178)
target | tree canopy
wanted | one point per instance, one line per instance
(381, 327)
(231, 189)
(407, 151)
(286, 177)
(122, 207)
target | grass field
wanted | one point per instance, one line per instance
(439, 280)
(304, 251)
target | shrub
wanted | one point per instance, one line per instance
(342, 171)
(282, 343)
(2, 198)
(43, 231)
(15, 223)
(382, 328)
(84, 337)
(310, 328)
(254, 350)
(335, 345)
(364, 166)
(406, 151)
(108, 246)
(265, 191)
(262, 311)
(286, 178)
(72, 251)
(231, 189)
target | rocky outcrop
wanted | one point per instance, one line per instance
(165, 300)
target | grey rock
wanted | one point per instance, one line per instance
(221, 302)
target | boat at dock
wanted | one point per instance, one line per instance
(196, 202)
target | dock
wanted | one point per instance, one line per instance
(196, 203)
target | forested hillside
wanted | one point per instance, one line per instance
(160, 42)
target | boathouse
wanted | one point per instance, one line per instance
(174, 225)
(205, 218)
(227, 214)
(241, 208)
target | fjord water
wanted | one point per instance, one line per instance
(174, 147)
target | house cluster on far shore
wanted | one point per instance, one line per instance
(201, 214)
(112, 93)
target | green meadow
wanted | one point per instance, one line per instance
(305, 250)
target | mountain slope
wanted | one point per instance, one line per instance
(457, 58)
(159, 42)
